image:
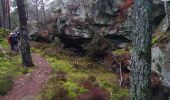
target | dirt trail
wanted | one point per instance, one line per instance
(28, 86)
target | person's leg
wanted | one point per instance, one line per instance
(15, 47)
(12, 46)
(19, 46)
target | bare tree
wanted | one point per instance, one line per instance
(141, 52)
(8, 13)
(36, 4)
(0, 14)
(3, 12)
(25, 47)
(0, 22)
(43, 8)
(5, 8)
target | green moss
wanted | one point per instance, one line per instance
(60, 65)
(161, 37)
(119, 93)
(4, 44)
(6, 83)
(77, 70)
(38, 51)
(116, 92)
(77, 76)
(5, 66)
(73, 89)
(121, 52)
(60, 89)
(11, 63)
(10, 67)
(3, 34)
(107, 80)
(50, 94)
(155, 39)
(50, 91)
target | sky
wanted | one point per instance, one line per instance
(49, 1)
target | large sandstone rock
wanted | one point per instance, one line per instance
(89, 18)
(111, 19)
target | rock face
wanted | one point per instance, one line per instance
(157, 60)
(81, 20)
(158, 14)
(112, 19)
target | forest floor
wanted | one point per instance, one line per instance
(58, 75)
(76, 77)
(26, 87)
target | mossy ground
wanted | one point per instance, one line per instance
(10, 64)
(161, 38)
(11, 61)
(72, 71)
(121, 52)
(10, 67)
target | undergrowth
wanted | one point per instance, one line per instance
(3, 34)
(10, 65)
(6, 83)
(69, 74)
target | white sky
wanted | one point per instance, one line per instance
(47, 1)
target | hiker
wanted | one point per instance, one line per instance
(18, 35)
(13, 40)
(10, 41)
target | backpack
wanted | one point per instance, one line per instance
(14, 38)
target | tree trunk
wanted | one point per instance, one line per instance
(141, 52)
(37, 12)
(3, 12)
(45, 19)
(26, 9)
(9, 20)
(25, 47)
(0, 22)
(8, 14)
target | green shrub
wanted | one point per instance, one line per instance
(121, 52)
(76, 71)
(73, 89)
(3, 33)
(4, 44)
(6, 83)
(155, 39)
(49, 91)
(60, 65)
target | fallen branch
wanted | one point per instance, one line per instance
(121, 79)
(120, 69)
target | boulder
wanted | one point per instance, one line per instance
(82, 21)
(158, 58)
(112, 19)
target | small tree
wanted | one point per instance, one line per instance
(0, 22)
(3, 13)
(36, 4)
(5, 8)
(141, 52)
(8, 13)
(44, 13)
(25, 47)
